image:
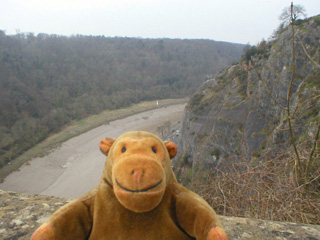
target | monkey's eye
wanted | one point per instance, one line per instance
(154, 150)
(123, 149)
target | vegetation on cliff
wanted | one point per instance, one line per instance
(251, 135)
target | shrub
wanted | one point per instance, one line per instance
(265, 190)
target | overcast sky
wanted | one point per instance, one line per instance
(241, 21)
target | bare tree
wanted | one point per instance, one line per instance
(292, 13)
(301, 172)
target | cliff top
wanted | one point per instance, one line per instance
(21, 214)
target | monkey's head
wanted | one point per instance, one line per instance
(139, 168)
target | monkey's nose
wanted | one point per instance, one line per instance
(137, 176)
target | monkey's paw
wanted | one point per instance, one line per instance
(217, 233)
(44, 232)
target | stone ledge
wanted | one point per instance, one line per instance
(21, 214)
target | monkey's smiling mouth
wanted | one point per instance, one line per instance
(138, 191)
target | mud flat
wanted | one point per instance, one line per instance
(76, 166)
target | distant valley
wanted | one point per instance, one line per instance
(48, 81)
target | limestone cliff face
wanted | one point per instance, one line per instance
(21, 214)
(233, 115)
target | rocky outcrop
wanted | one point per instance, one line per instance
(21, 214)
(233, 115)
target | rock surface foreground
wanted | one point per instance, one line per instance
(21, 214)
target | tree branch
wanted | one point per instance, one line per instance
(265, 86)
(293, 142)
(311, 154)
(305, 51)
(303, 103)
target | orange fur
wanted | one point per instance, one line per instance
(138, 197)
(45, 231)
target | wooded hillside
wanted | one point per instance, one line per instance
(47, 81)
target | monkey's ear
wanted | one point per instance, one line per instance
(105, 145)
(172, 148)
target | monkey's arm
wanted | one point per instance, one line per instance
(197, 218)
(72, 221)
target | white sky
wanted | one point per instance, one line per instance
(240, 21)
